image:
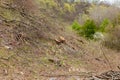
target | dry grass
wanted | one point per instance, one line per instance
(99, 13)
(113, 39)
(28, 6)
(30, 60)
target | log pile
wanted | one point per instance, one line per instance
(109, 75)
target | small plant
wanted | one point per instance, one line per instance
(103, 25)
(76, 26)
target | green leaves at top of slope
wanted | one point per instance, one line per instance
(89, 28)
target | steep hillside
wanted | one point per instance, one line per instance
(37, 42)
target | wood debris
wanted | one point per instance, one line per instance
(60, 40)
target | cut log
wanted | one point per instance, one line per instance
(60, 40)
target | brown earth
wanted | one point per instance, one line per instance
(29, 50)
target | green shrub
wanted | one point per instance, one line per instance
(103, 25)
(76, 26)
(88, 29)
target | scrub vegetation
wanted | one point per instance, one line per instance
(58, 39)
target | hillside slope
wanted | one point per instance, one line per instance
(38, 43)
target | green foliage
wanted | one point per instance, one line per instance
(103, 25)
(88, 29)
(76, 26)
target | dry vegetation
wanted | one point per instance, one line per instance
(100, 13)
(113, 39)
(37, 42)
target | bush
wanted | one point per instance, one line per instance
(103, 25)
(88, 29)
(76, 26)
